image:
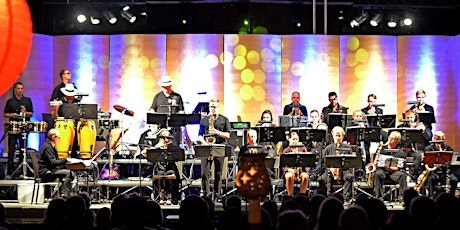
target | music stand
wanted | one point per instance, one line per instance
(382, 121)
(257, 149)
(215, 150)
(70, 111)
(426, 117)
(89, 111)
(201, 107)
(297, 160)
(358, 134)
(409, 135)
(183, 119)
(161, 119)
(292, 121)
(438, 157)
(309, 134)
(270, 134)
(165, 155)
(171, 108)
(344, 161)
(336, 119)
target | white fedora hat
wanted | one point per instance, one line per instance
(69, 90)
(165, 81)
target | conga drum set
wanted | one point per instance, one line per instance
(85, 131)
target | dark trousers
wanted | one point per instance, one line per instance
(205, 174)
(13, 141)
(382, 174)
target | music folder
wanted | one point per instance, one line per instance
(214, 150)
(165, 155)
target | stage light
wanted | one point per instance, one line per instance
(95, 21)
(407, 21)
(392, 22)
(128, 15)
(81, 18)
(359, 20)
(110, 17)
(376, 20)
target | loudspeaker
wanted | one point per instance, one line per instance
(238, 137)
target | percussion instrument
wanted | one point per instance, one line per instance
(66, 128)
(36, 126)
(15, 127)
(86, 134)
(109, 123)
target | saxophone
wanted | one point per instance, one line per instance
(422, 180)
(211, 139)
(371, 167)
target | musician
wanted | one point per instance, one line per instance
(167, 168)
(266, 119)
(52, 167)
(370, 108)
(17, 109)
(438, 172)
(338, 135)
(422, 106)
(333, 107)
(295, 108)
(394, 173)
(295, 173)
(358, 119)
(66, 77)
(214, 129)
(168, 101)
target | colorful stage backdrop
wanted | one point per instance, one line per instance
(248, 73)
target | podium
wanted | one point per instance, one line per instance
(214, 150)
(409, 135)
(297, 160)
(358, 134)
(310, 134)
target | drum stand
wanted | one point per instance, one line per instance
(24, 165)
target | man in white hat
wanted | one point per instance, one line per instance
(66, 77)
(167, 101)
(69, 92)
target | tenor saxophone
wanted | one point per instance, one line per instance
(211, 139)
(422, 180)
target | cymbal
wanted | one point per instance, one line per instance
(123, 110)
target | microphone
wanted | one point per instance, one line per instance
(201, 93)
(404, 120)
(412, 102)
(379, 105)
(437, 142)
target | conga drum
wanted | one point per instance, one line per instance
(86, 134)
(67, 129)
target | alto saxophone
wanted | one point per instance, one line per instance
(210, 139)
(371, 167)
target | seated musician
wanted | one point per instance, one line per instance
(437, 173)
(252, 147)
(394, 173)
(50, 166)
(295, 173)
(332, 149)
(267, 121)
(169, 188)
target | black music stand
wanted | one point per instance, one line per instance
(215, 150)
(292, 121)
(171, 108)
(257, 149)
(270, 134)
(336, 119)
(88, 111)
(71, 111)
(344, 161)
(426, 117)
(183, 119)
(201, 107)
(160, 119)
(382, 121)
(409, 135)
(297, 160)
(358, 134)
(310, 134)
(438, 157)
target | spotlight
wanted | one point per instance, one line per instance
(81, 18)
(392, 23)
(407, 21)
(360, 19)
(128, 15)
(110, 17)
(95, 21)
(376, 20)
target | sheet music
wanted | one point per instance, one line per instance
(77, 161)
(384, 159)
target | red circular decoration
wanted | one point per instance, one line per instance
(15, 40)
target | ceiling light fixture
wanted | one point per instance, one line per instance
(359, 20)
(376, 20)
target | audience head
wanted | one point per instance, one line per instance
(353, 218)
(292, 220)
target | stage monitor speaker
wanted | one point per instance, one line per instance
(238, 137)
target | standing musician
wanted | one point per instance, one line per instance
(394, 173)
(370, 108)
(295, 108)
(332, 149)
(437, 174)
(333, 107)
(166, 169)
(295, 173)
(423, 106)
(66, 77)
(17, 109)
(50, 166)
(214, 129)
